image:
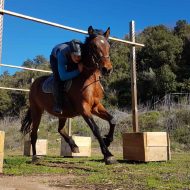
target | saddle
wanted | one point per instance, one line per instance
(47, 86)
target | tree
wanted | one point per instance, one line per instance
(12, 102)
(39, 62)
(165, 80)
(5, 103)
(161, 47)
(158, 62)
(182, 30)
(146, 85)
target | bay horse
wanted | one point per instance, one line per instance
(85, 95)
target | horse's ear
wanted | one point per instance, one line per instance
(107, 33)
(90, 30)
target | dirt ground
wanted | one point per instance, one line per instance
(47, 181)
(38, 182)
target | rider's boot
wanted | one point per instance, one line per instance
(58, 103)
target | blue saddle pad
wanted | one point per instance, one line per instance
(47, 86)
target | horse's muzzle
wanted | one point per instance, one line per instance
(106, 71)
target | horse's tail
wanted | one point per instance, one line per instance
(26, 123)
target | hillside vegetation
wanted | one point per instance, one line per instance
(163, 67)
(175, 122)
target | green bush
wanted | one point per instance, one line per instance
(183, 117)
(182, 135)
(149, 121)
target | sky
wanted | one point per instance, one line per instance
(24, 39)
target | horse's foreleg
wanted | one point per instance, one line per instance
(68, 139)
(101, 112)
(108, 157)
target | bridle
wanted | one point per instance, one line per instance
(96, 59)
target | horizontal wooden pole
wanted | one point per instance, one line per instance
(126, 42)
(2, 11)
(41, 21)
(14, 89)
(25, 68)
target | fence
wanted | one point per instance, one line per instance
(131, 42)
(172, 101)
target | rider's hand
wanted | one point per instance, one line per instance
(80, 67)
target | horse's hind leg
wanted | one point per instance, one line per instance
(36, 118)
(68, 139)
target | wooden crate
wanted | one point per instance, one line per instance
(41, 147)
(146, 146)
(2, 138)
(84, 144)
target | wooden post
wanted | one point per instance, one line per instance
(133, 79)
(2, 133)
(1, 29)
(2, 138)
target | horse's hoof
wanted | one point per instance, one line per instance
(110, 160)
(75, 150)
(35, 159)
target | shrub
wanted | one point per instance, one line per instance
(149, 121)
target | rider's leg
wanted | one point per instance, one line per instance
(58, 103)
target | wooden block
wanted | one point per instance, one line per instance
(156, 153)
(2, 139)
(1, 162)
(84, 144)
(156, 138)
(41, 147)
(146, 146)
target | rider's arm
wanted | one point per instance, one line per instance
(63, 73)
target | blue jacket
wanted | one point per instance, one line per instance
(61, 51)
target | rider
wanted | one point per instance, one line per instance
(65, 63)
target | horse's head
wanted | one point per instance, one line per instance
(98, 50)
